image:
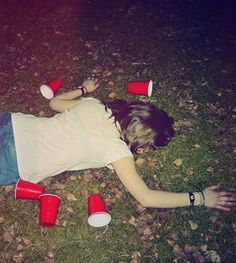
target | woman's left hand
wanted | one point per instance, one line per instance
(91, 84)
(222, 200)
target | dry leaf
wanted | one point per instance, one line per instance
(132, 220)
(140, 161)
(71, 197)
(213, 256)
(210, 169)
(136, 257)
(190, 171)
(1, 219)
(152, 161)
(7, 236)
(26, 241)
(177, 175)
(147, 230)
(193, 225)
(170, 242)
(70, 210)
(178, 251)
(112, 95)
(178, 162)
(87, 178)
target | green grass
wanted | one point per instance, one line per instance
(204, 142)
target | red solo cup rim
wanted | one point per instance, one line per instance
(150, 87)
(22, 180)
(46, 91)
(99, 219)
(42, 195)
(16, 186)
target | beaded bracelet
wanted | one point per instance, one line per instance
(202, 198)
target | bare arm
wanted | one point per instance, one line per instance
(70, 99)
(125, 169)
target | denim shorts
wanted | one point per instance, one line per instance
(8, 163)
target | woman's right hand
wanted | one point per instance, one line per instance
(222, 200)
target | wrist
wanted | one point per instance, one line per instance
(193, 199)
(83, 90)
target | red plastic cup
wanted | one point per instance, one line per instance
(98, 215)
(28, 190)
(51, 88)
(141, 87)
(49, 205)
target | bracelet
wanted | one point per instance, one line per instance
(202, 198)
(191, 199)
(83, 90)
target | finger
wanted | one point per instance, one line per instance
(227, 201)
(225, 193)
(220, 207)
(229, 194)
(213, 187)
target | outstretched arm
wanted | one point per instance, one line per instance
(70, 99)
(125, 169)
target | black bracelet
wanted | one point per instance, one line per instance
(82, 89)
(191, 199)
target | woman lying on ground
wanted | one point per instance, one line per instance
(89, 134)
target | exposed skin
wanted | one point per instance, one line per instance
(126, 171)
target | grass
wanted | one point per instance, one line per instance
(194, 84)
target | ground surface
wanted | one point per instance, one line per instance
(188, 49)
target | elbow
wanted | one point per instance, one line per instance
(55, 105)
(144, 203)
(52, 104)
(144, 200)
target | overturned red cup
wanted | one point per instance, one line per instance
(49, 205)
(51, 88)
(141, 87)
(98, 215)
(28, 190)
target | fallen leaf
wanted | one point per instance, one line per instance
(132, 220)
(177, 175)
(147, 230)
(140, 161)
(193, 225)
(70, 210)
(213, 256)
(152, 161)
(170, 242)
(7, 237)
(71, 197)
(1, 220)
(190, 171)
(87, 178)
(136, 257)
(26, 241)
(8, 188)
(210, 169)
(178, 162)
(112, 95)
(178, 251)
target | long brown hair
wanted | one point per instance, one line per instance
(142, 124)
